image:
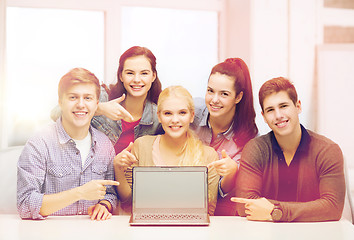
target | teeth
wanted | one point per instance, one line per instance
(80, 113)
(281, 124)
(137, 87)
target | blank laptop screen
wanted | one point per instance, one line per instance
(170, 189)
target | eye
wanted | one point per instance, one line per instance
(183, 112)
(225, 94)
(89, 98)
(144, 73)
(209, 90)
(284, 106)
(167, 113)
(269, 110)
(72, 97)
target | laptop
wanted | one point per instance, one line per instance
(170, 196)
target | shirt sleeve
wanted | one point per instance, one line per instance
(30, 180)
(111, 195)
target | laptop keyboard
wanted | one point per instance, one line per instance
(168, 217)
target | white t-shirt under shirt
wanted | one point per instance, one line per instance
(84, 146)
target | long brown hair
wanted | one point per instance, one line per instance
(116, 90)
(244, 125)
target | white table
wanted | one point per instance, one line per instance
(221, 228)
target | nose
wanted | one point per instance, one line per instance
(175, 118)
(80, 102)
(215, 98)
(278, 114)
(136, 78)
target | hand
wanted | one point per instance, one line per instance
(95, 189)
(114, 110)
(256, 209)
(224, 166)
(99, 212)
(125, 158)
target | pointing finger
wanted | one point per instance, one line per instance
(241, 200)
(108, 182)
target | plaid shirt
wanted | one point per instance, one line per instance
(51, 163)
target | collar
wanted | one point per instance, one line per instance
(227, 134)
(303, 146)
(64, 137)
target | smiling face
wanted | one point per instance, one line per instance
(137, 76)
(281, 114)
(220, 97)
(175, 117)
(78, 105)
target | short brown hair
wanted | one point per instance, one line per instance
(276, 85)
(76, 76)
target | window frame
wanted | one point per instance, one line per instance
(112, 40)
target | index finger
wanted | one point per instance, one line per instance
(218, 163)
(125, 113)
(108, 182)
(241, 200)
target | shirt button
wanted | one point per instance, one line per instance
(77, 153)
(80, 213)
(81, 173)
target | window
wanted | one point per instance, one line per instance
(43, 45)
(45, 39)
(185, 43)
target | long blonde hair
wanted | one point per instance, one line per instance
(192, 153)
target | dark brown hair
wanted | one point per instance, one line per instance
(276, 85)
(244, 125)
(117, 90)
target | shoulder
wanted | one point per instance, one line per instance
(145, 140)
(103, 95)
(210, 153)
(200, 111)
(319, 139)
(260, 142)
(100, 137)
(321, 144)
(260, 146)
(42, 141)
(48, 133)
(151, 106)
(149, 113)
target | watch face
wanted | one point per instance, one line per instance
(277, 214)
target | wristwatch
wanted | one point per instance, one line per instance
(276, 213)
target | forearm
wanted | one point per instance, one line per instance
(124, 190)
(228, 182)
(54, 202)
(317, 210)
